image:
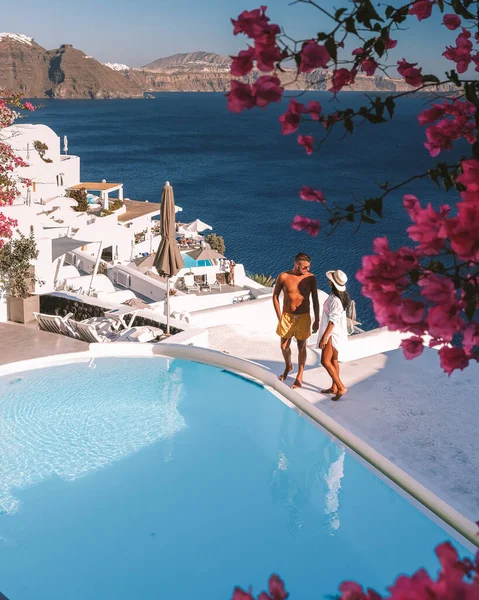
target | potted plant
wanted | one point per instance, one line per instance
(17, 277)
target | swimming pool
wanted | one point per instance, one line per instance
(191, 262)
(159, 478)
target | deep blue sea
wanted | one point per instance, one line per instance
(240, 175)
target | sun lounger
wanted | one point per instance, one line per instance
(190, 284)
(92, 335)
(212, 280)
(55, 324)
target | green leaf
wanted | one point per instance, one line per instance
(471, 92)
(401, 14)
(350, 25)
(471, 299)
(434, 176)
(331, 47)
(376, 205)
(367, 219)
(414, 275)
(321, 36)
(376, 119)
(350, 208)
(349, 125)
(454, 77)
(339, 13)
(461, 10)
(390, 11)
(430, 79)
(390, 105)
(379, 46)
(440, 4)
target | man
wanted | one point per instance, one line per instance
(294, 320)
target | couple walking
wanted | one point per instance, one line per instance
(298, 286)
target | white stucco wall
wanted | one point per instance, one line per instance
(22, 137)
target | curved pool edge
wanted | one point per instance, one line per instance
(251, 370)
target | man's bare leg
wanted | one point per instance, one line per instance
(298, 382)
(286, 350)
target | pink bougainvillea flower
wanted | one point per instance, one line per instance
(444, 321)
(451, 359)
(307, 193)
(470, 179)
(267, 89)
(267, 55)
(412, 347)
(291, 119)
(390, 44)
(369, 66)
(341, 78)
(243, 63)
(429, 226)
(314, 110)
(470, 338)
(240, 97)
(463, 231)
(240, 594)
(251, 22)
(437, 289)
(461, 52)
(276, 588)
(313, 56)
(431, 115)
(422, 9)
(411, 74)
(306, 141)
(29, 106)
(451, 21)
(311, 226)
(357, 51)
(440, 137)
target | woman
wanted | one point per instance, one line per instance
(333, 332)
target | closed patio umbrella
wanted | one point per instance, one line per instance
(168, 260)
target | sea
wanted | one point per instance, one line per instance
(238, 173)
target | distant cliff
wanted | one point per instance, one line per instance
(35, 72)
(29, 69)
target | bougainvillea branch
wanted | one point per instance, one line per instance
(430, 287)
(9, 161)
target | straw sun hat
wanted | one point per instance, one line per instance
(338, 278)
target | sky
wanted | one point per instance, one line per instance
(136, 32)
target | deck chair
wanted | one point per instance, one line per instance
(351, 319)
(190, 284)
(212, 281)
(55, 324)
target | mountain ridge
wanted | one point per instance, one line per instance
(67, 72)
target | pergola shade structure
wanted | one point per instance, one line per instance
(105, 188)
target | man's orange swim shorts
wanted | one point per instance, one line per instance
(298, 326)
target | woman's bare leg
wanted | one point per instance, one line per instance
(335, 362)
(328, 357)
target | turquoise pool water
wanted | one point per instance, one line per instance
(190, 262)
(156, 478)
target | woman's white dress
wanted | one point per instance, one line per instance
(334, 312)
